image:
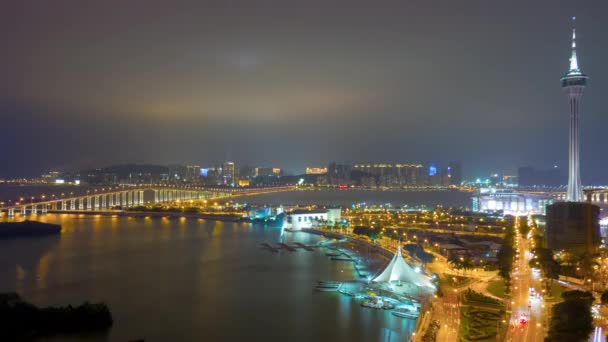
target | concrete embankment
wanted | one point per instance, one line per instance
(373, 248)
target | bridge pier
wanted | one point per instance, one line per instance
(11, 212)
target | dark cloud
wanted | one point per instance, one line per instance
(296, 83)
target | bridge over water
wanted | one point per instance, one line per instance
(127, 196)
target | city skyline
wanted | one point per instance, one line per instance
(297, 94)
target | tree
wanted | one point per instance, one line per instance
(524, 228)
(505, 258)
(374, 235)
(544, 260)
(587, 262)
(571, 319)
(584, 296)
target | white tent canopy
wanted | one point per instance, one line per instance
(399, 270)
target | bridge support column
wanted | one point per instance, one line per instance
(103, 201)
(11, 212)
(45, 208)
(73, 204)
(34, 209)
(24, 210)
(606, 197)
(111, 200)
(97, 202)
(141, 197)
(123, 198)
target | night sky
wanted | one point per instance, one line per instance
(298, 83)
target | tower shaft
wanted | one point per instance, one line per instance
(575, 188)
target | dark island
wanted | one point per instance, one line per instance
(27, 228)
(22, 320)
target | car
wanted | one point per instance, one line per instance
(523, 319)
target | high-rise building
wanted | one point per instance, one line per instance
(390, 175)
(193, 173)
(573, 226)
(267, 171)
(573, 84)
(339, 174)
(454, 172)
(229, 174)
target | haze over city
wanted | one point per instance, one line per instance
(267, 170)
(295, 84)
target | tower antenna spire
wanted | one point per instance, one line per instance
(574, 69)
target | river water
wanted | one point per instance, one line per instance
(195, 280)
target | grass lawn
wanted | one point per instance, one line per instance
(556, 290)
(481, 318)
(497, 288)
(456, 281)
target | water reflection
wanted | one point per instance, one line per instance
(191, 280)
(24, 262)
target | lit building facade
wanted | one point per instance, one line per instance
(316, 170)
(299, 219)
(510, 202)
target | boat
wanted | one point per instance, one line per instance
(348, 293)
(326, 289)
(327, 286)
(372, 303)
(405, 312)
(342, 259)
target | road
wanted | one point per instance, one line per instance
(534, 309)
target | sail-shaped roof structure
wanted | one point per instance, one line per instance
(398, 270)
